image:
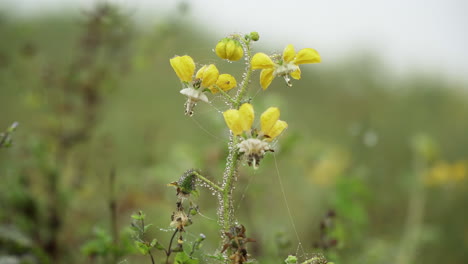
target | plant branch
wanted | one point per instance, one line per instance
(233, 156)
(226, 95)
(151, 255)
(248, 72)
(169, 249)
(5, 137)
(210, 183)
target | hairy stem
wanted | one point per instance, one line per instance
(226, 95)
(248, 72)
(233, 156)
(229, 175)
(210, 183)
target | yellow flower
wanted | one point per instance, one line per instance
(445, 173)
(286, 66)
(254, 144)
(229, 49)
(239, 120)
(208, 75)
(270, 125)
(225, 82)
(184, 67)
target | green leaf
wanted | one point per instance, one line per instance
(153, 243)
(136, 216)
(183, 258)
(217, 257)
(146, 227)
(142, 247)
(159, 246)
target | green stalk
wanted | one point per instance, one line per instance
(233, 156)
(226, 95)
(210, 183)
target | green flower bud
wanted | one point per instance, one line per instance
(229, 49)
(254, 36)
(193, 211)
(291, 260)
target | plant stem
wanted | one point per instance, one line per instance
(248, 73)
(233, 156)
(151, 255)
(212, 184)
(226, 95)
(415, 216)
(169, 249)
(229, 175)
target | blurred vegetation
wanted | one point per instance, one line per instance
(374, 169)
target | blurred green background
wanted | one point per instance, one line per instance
(374, 168)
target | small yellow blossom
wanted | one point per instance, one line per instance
(208, 75)
(445, 173)
(194, 88)
(254, 144)
(286, 66)
(241, 120)
(184, 67)
(229, 49)
(225, 82)
(270, 126)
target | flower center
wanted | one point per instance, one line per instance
(285, 69)
(254, 149)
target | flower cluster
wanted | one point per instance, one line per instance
(254, 143)
(285, 66)
(247, 142)
(206, 79)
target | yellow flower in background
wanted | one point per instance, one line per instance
(229, 49)
(326, 169)
(225, 82)
(446, 173)
(184, 67)
(286, 66)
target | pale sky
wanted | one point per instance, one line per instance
(428, 36)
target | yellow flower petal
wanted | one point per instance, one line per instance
(246, 112)
(184, 67)
(266, 77)
(261, 61)
(200, 72)
(229, 49)
(307, 56)
(268, 119)
(296, 74)
(277, 129)
(231, 117)
(221, 49)
(208, 74)
(226, 82)
(238, 53)
(289, 53)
